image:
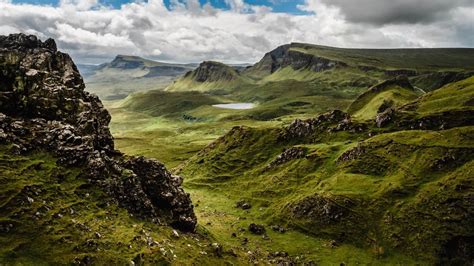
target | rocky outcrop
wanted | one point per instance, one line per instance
(287, 155)
(384, 118)
(209, 71)
(332, 121)
(407, 120)
(43, 105)
(320, 208)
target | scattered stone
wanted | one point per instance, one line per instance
(384, 118)
(30, 200)
(278, 228)
(217, 249)
(256, 229)
(333, 244)
(244, 205)
(279, 254)
(175, 234)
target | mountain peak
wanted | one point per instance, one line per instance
(23, 41)
(127, 62)
(211, 71)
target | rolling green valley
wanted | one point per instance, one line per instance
(236, 132)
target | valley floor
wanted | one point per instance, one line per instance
(174, 141)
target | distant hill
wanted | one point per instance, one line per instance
(209, 75)
(301, 78)
(127, 74)
(388, 94)
(300, 61)
(300, 55)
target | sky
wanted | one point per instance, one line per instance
(235, 31)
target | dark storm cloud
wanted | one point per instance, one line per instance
(382, 12)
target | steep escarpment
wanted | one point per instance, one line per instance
(209, 75)
(284, 56)
(44, 107)
(210, 71)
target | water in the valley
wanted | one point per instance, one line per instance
(235, 106)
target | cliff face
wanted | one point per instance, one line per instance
(43, 105)
(284, 56)
(209, 71)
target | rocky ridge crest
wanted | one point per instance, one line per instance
(284, 56)
(43, 105)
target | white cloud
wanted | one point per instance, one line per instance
(78, 4)
(192, 33)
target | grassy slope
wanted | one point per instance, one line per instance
(421, 59)
(159, 103)
(453, 96)
(380, 180)
(57, 218)
(187, 84)
(233, 170)
(152, 123)
(391, 184)
(367, 105)
(214, 81)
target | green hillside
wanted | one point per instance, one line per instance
(209, 76)
(327, 177)
(388, 94)
(454, 96)
(50, 215)
(388, 182)
(415, 59)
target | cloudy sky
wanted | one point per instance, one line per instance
(235, 31)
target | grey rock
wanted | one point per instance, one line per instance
(43, 105)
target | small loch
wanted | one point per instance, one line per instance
(235, 106)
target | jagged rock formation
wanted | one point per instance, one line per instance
(284, 56)
(43, 105)
(331, 121)
(209, 71)
(287, 155)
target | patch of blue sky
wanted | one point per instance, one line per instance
(280, 6)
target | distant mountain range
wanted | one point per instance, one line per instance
(126, 74)
(308, 59)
